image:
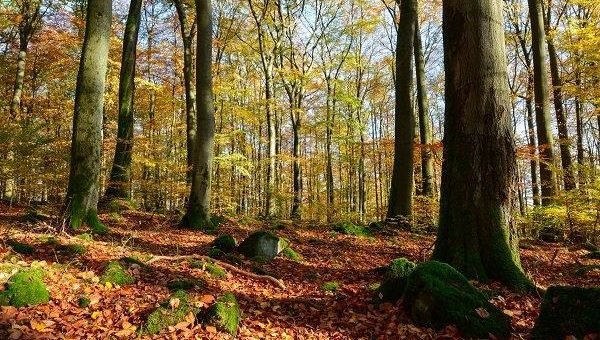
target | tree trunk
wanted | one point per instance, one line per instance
(198, 210)
(297, 176)
(328, 143)
(271, 135)
(15, 104)
(477, 233)
(188, 80)
(542, 111)
(401, 191)
(561, 119)
(86, 145)
(119, 185)
(424, 121)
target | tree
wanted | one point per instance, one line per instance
(401, 191)
(425, 135)
(120, 175)
(477, 232)
(542, 110)
(198, 209)
(86, 144)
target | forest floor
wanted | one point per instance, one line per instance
(301, 311)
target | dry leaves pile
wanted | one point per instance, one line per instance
(302, 311)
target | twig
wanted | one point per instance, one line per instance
(234, 269)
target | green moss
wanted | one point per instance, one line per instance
(25, 288)
(291, 254)
(71, 249)
(83, 302)
(20, 248)
(129, 260)
(79, 218)
(116, 274)
(85, 237)
(568, 311)
(331, 286)
(215, 253)
(594, 255)
(394, 280)
(225, 243)
(225, 314)
(185, 284)
(349, 228)
(166, 315)
(50, 240)
(211, 268)
(437, 295)
(583, 270)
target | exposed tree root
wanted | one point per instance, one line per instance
(234, 269)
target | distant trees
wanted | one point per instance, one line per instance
(83, 190)
(198, 210)
(477, 232)
(120, 175)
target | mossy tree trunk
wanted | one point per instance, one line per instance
(86, 144)
(542, 109)
(120, 175)
(401, 191)
(198, 209)
(187, 36)
(477, 234)
(427, 171)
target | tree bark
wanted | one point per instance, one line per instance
(401, 191)
(198, 210)
(86, 144)
(477, 232)
(427, 171)
(119, 185)
(542, 110)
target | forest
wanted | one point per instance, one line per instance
(300, 169)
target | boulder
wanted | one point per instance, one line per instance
(171, 312)
(225, 243)
(437, 295)
(225, 314)
(25, 288)
(568, 311)
(394, 280)
(263, 245)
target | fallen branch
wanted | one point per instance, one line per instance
(233, 268)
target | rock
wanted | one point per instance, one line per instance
(225, 243)
(349, 228)
(25, 288)
(437, 296)
(394, 281)
(568, 311)
(225, 314)
(116, 274)
(20, 248)
(262, 244)
(170, 313)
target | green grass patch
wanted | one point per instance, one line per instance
(331, 286)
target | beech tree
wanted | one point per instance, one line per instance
(477, 232)
(198, 209)
(86, 143)
(120, 175)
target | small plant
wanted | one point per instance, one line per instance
(83, 302)
(331, 286)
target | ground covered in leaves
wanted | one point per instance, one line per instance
(328, 293)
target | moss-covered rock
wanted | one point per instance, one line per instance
(262, 244)
(568, 311)
(394, 280)
(437, 295)
(170, 313)
(593, 255)
(71, 249)
(185, 284)
(116, 275)
(225, 243)
(349, 228)
(225, 314)
(291, 254)
(25, 288)
(20, 248)
(211, 268)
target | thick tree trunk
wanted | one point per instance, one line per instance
(119, 185)
(401, 191)
(198, 210)
(188, 81)
(477, 233)
(424, 121)
(542, 110)
(86, 145)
